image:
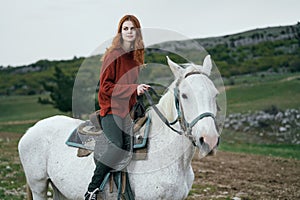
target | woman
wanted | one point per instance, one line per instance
(117, 94)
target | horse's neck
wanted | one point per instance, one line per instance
(166, 105)
(177, 146)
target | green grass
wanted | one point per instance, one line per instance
(252, 97)
(11, 173)
(202, 188)
(254, 79)
(20, 108)
(277, 150)
(15, 128)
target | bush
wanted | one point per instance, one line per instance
(273, 110)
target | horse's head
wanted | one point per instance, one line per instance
(195, 102)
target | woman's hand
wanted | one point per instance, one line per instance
(142, 88)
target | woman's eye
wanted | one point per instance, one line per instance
(125, 29)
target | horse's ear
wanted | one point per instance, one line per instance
(207, 65)
(175, 68)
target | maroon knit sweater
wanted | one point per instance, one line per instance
(118, 83)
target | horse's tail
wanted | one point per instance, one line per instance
(29, 193)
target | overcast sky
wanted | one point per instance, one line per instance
(61, 29)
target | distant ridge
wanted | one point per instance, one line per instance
(249, 37)
(264, 50)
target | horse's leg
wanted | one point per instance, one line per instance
(37, 181)
(39, 189)
(29, 193)
(57, 194)
(32, 156)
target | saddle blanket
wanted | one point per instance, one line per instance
(86, 135)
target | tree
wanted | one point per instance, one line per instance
(296, 32)
(60, 88)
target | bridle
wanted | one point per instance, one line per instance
(186, 127)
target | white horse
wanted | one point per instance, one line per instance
(166, 174)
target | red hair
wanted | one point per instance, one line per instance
(138, 45)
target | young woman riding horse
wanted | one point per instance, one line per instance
(117, 94)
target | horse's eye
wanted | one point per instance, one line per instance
(184, 96)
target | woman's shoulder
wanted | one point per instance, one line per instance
(114, 54)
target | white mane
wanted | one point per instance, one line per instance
(166, 105)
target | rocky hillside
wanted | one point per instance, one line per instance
(273, 49)
(281, 126)
(251, 37)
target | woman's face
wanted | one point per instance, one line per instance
(128, 31)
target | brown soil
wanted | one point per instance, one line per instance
(243, 176)
(226, 175)
(9, 136)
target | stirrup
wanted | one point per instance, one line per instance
(91, 195)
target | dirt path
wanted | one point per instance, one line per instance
(290, 78)
(228, 175)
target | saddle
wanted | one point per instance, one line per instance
(84, 137)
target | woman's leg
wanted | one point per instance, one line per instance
(113, 132)
(127, 137)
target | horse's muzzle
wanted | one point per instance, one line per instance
(206, 149)
(214, 150)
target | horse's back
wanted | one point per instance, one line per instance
(35, 142)
(42, 130)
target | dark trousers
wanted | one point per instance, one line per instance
(116, 129)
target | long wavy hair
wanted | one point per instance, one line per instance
(138, 44)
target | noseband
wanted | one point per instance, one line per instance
(184, 124)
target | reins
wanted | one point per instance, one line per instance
(185, 126)
(160, 115)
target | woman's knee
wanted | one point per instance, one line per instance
(112, 130)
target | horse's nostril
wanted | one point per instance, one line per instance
(201, 140)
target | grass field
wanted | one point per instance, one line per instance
(24, 108)
(276, 150)
(250, 96)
